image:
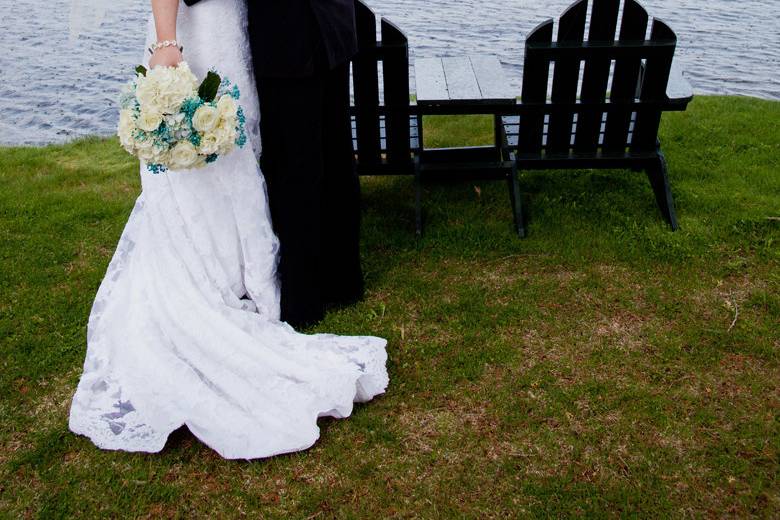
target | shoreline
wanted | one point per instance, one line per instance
(87, 138)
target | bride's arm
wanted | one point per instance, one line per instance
(165, 12)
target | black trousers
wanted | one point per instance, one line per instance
(313, 189)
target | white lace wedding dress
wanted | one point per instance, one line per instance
(185, 329)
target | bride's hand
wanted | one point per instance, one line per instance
(166, 57)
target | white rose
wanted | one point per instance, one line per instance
(149, 121)
(159, 156)
(227, 127)
(126, 123)
(126, 129)
(226, 139)
(205, 119)
(184, 156)
(146, 153)
(227, 107)
(199, 163)
(209, 144)
(149, 152)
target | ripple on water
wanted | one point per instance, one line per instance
(55, 90)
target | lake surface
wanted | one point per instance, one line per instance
(53, 90)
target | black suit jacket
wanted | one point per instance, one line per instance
(289, 36)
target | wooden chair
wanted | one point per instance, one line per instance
(385, 129)
(600, 124)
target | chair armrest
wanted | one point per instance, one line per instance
(678, 90)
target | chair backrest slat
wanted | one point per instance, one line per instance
(366, 86)
(603, 24)
(571, 29)
(396, 89)
(626, 77)
(382, 133)
(638, 66)
(653, 88)
(536, 70)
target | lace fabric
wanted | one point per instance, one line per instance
(185, 327)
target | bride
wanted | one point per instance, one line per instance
(185, 327)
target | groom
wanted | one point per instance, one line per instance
(301, 51)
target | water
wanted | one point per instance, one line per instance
(53, 90)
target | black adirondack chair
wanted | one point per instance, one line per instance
(385, 129)
(600, 124)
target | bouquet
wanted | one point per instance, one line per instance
(169, 120)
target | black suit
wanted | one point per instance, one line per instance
(301, 51)
(286, 33)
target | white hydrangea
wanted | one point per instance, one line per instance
(163, 89)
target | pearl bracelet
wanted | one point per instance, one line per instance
(166, 43)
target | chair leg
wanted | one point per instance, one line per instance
(418, 202)
(516, 198)
(658, 174)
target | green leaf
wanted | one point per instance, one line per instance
(208, 89)
(141, 70)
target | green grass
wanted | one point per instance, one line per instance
(604, 366)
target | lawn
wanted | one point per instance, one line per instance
(604, 366)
